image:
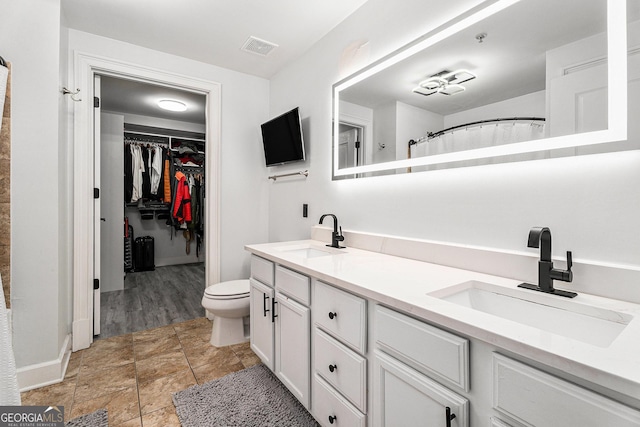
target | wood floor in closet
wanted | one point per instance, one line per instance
(150, 299)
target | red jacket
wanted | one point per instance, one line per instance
(182, 206)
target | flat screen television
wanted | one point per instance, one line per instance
(282, 139)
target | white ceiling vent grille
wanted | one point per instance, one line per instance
(258, 46)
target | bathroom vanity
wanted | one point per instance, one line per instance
(362, 337)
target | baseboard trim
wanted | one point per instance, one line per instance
(45, 373)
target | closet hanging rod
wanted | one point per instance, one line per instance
(305, 173)
(431, 135)
(153, 143)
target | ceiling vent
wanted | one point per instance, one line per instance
(258, 46)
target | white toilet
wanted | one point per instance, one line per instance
(229, 304)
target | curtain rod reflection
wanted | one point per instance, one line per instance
(432, 135)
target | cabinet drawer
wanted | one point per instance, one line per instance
(520, 392)
(331, 409)
(341, 314)
(262, 270)
(430, 350)
(293, 284)
(341, 367)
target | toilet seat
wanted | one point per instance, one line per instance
(234, 289)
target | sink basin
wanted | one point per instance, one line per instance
(306, 251)
(589, 324)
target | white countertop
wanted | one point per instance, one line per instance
(403, 284)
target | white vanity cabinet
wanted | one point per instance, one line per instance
(533, 397)
(409, 357)
(261, 322)
(281, 324)
(293, 333)
(339, 362)
(356, 360)
(261, 306)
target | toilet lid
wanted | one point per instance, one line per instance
(228, 290)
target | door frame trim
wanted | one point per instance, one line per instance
(85, 67)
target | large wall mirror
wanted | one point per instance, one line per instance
(509, 80)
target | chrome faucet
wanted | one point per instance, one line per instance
(335, 235)
(540, 237)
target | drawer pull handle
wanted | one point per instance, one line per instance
(332, 315)
(332, 418)
(333, 367)
(449, 416)
(265, 310)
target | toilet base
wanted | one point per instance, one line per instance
(228, 331)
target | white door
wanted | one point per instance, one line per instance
(578, 102)
(293, 341)
(112, 202)
(262, 322)
(96, 206)
(403, 397)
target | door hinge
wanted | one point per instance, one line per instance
(357, 144)
(96, 284)
(96, 193)
(96, 102)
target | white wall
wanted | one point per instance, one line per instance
(384, 132)
(38, 258)
(591, 203)
(413, 123)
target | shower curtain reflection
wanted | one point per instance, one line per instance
(479, 135)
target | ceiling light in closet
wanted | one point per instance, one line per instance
(172, 105)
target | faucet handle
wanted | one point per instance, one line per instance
(340, 237)
(569, 260)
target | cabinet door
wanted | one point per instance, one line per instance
(293, 342)
(405, 397)
(262, 322)
(520, 391)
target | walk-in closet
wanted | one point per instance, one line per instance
(152, 210)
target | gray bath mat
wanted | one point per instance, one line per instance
(249, 398)
(98, 418)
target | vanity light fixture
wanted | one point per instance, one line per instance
(172, 105)
(445, 82)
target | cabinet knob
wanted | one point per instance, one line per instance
(332, 418)
(449, 416)
(332, 315)
(333, 367)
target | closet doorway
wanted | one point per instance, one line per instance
(86, 178)
(152, 184)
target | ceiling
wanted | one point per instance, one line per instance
(210, 31)
(133, 97)
(213, 31)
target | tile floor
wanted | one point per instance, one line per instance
(134, 375)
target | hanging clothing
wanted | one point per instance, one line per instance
(156, 169)
(182, 204)
(138, 170)
(146, 173)
(167, 181)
